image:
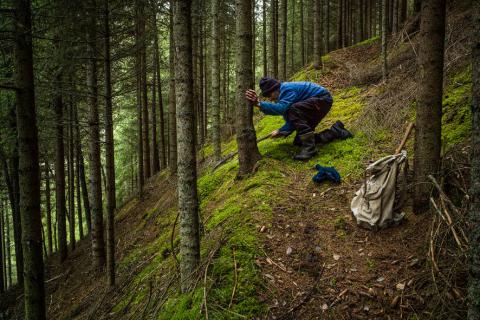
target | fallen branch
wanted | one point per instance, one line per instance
(449, 223)
(405, 137)
(233, 154)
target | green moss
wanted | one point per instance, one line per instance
(366, 42)
(457, 115)
(219, 215)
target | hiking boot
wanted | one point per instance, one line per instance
(297, 142)
(308, 146)
(339, 129)
(325, 136)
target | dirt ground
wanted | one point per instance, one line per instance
(319, 265)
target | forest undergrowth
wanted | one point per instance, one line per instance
(275, 244)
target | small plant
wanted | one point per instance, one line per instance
(370, 264)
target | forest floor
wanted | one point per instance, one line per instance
(276, 245)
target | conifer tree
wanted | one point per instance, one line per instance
(29, 178)
(187, 167)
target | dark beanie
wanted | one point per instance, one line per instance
(268, 85)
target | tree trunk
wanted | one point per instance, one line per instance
(138, 72)
(403, 12)
(248, 153)
(143, 74)
(155, 152)
(187, 173)
(98, 244)
(429, 100)
(417, 6)
(71, 179)
(82, 175)
(254, 38)
(8, 246)
(264, 30)
(474, 216)
(12, 188)
(162, 149)
(283, 40)
(60, 174)
(206, 90)
(3, 273)
(29, 178)
(172, 117)
(317, 36)
(274, 38)
(79, 196)
(394, 16)
(215, 107)
(195, 8)
(48, 208)
(200, 58)
(384, 40)
(292, 41)
(302, 34)
(340, 24)
(109, 150)
(327, 25)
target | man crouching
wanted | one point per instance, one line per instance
(303, 105)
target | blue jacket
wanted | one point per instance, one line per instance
(290, 93)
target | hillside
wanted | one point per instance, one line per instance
(276, 245)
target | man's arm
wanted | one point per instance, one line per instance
(279, 108)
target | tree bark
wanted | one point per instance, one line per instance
(200, 58)
(143, 74)
(60, 174)
(417, 6)
(98, 243)
(292, 40)
(394, 16)
(215, 107)
(474, 216)
(109, 150)
(187, 173)
(79, 196)
(155, 152)
(264, 33)
(71, 179)
(138, 72)
(3, 269)
(274, 38)
(172, 117)
(8, 248)
(48, 205)
(248, 153)
(254, 38)
(29, 178)
(162, 148)
(317, 36)
(11, 180)
(403, 12)
(283, 40)
(82, 174)
(384, 28)
(429, 100)
(340, 24)
(327, 25)
(302, 33)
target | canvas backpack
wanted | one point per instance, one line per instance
(377, 203)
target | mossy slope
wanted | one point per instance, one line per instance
(233, 210)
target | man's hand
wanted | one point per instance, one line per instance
(251, 96)
(276, 134)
